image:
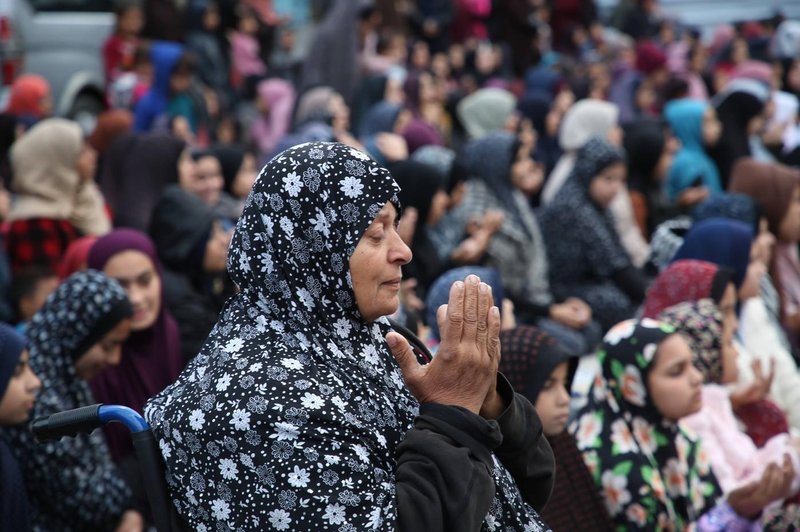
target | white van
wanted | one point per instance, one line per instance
(62, 41)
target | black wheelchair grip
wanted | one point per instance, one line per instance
(69, 423)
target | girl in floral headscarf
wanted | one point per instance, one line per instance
(734, 457)
(652, 474)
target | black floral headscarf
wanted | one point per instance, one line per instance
(290, 416)
(72, 483)
(648, 469)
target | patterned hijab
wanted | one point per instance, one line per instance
(649, 471)
(700, 322)
(686, 280)
(293, 391)
(573, 225)
(72, 483)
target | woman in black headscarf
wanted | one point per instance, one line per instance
(423, 188)
(295, 416)
(650, 149)
(738, 111)
(192, 245)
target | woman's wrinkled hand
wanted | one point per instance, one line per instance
(464, 371)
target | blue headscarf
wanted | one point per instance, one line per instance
(439, 292)
(685, 117)
(719, 241)
(164, 57)
(729, 205)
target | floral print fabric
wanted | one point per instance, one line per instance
(72, 483)
(290, 416)
(651, 473)
(700, 322)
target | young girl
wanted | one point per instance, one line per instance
(734, 457)
(538, 367)
(151, 356)
(72, 483)
(18, 388)
(653, 474)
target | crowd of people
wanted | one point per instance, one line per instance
(435, 264)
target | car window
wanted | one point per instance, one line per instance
(71, 5)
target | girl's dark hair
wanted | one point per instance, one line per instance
(185, 65)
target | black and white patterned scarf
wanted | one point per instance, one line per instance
(290, 416)
(72, 483)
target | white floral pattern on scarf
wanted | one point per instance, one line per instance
(291, 414)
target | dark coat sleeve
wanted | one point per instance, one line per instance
(525, 451)
(444, 470)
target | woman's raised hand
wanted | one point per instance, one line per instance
(465, 366)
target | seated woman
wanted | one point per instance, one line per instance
(539, 368)
(151, 355)
(18, 388)
(653, 474)
(587, 260)
(297, 411)
(503, 177)
(734, 457)
(56, 200)
(72, 483)
(693, 176)
(193, 246)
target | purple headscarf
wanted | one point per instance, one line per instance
(151, 358)
(419, 133)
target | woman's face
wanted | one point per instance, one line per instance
(789, 230)
(552, 405)
(674, 383)
(106, 352)
(607, 184)
(245, 177)
(375, 266)
(526, 175)
(87, 163)
(17, 401)
(206, 182)
(711, 127)
(137, 275)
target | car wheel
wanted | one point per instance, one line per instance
(85, 110)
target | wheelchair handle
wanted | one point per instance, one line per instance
(84, 420)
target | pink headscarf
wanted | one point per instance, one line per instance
(269, 129)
